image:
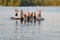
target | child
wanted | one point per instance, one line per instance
(16, 12)
(39, 15)
(34, 16)
(28, 17)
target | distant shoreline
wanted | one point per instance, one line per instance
(29, 6)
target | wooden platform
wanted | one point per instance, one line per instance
(20, 18)
(15, 18)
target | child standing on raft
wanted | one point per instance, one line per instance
(39, 15)
(28, 17)
(34, 16)
(21, 16)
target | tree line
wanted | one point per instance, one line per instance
(29, 2)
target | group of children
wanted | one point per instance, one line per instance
(28, 17)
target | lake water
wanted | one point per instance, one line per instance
(48, 29)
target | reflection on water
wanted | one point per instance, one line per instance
(27, 30)
(16, 28)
